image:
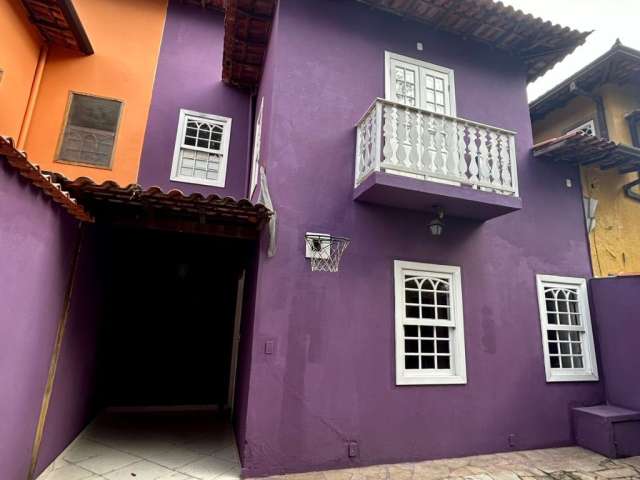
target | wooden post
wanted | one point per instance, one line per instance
(55, 355)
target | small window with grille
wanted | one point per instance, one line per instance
(566, 329)
(90, 129)
(201, 150)
(429, 324)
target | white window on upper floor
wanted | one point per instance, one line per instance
(429, 324)
(257, 140)
(419, 84)
(588, 128)
(202, 148)
(567, 337)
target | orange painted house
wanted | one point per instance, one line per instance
(78, 96)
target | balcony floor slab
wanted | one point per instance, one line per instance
(398, 191)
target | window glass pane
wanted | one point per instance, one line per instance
(444, 363)
(93, 112)
(411, 362)
(426, 332)
(411, 346)
(410, 330)
(428, 362)
(89, 133)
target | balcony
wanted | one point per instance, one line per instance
(415, 159)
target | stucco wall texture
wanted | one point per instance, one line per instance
(19, 51)
(123, 67)
(37, 242)
(330, 379)
(616, 307)
(613, 241)
(190, 76)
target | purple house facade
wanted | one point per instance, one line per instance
(331, 379)
(460, 319)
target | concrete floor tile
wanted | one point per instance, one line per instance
(108, 461)
(66, 472)
(207, 468)
(142, 470)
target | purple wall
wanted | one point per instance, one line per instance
(189, 76)
(37, 243)
(331, 378)
(616, 312)
(73, 401)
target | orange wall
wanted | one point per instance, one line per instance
(19, 51)
(126, 37)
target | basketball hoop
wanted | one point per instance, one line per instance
(325, 251)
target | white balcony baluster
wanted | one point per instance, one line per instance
(405, 140)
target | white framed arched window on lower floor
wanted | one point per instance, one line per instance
(429, 324)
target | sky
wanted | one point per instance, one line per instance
(610, 19)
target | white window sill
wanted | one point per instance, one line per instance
(431, 380)
(198, 181)
(572, 377)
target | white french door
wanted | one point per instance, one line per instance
(419, 84)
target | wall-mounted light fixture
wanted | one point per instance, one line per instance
(436, 226)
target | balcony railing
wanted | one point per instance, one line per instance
(403, 140)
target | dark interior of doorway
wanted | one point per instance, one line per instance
(167, 335)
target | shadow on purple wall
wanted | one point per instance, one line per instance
(616, 305)
(37, 244)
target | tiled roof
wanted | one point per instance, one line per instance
(18, 160)
(540, 44)
(578, 148)
(247, 26)
(59, 24)
(620, 64)
(227, 216)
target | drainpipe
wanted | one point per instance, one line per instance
(603, 131)
(33, 96)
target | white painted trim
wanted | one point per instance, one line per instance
(224, 149)
(458, 355)
(590, 371)
(235, 346)
(257, 141)
(389, 56)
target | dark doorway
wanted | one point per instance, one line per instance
(168, 336)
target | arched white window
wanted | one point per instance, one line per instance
(429, 324)
(202, 148)
(567, 336)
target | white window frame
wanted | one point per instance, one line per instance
(257, 141)
(458, 373)
(589, 372)
(223, 152)
(390, 57)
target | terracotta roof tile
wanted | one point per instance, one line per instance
(578, 148)
(18, 160)
(213, 207)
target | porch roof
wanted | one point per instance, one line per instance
(578, 148)
(59, 24)
(151, 207)
(18, 161)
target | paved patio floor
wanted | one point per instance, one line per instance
(572, 463)
(150, 446)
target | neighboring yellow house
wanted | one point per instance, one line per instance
(593, 119)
